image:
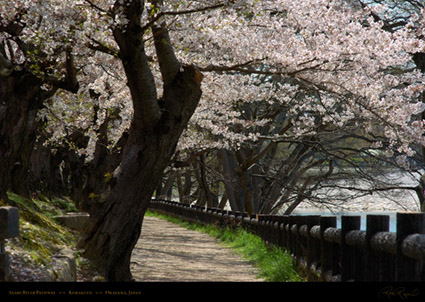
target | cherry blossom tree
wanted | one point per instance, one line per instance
(327, 64)
(30, 73)
(395, 14)
(326, 101)
(356, 78)
(155, 127)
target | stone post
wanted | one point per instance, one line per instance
(9, 227)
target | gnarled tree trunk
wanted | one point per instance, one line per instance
(21, 97)
(117, 222)
(153, 136)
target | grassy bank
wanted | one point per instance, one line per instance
(41, 238)
(273, 264)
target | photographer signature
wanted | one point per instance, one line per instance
(400, 292)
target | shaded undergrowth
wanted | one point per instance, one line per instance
(41, 237)
(39, 234)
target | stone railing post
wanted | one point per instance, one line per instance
(9, 227)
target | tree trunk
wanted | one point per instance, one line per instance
(187, 187)
(419, 59)
(168, 187)
(117, 222)
(153, 136)
(21, 97)
(233, 191)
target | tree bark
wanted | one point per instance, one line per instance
(21, 97)
(117, 222)
(233, 191)
(153, 136)
(168, 186)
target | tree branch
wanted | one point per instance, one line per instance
(381, 189)
(70, 82)
(177, 13)
(168, 62)
(140, 79)
(6, 66)
(92, 4)
(99, 46)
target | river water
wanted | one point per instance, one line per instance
(376, 203)
(392, 215)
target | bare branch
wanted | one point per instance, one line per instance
(99, 46)
(6, 67)
(92, 4)
(371, 190)
(177, 13)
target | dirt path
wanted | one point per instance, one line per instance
(168, 252)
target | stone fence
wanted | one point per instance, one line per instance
(9, 227)
(63, 265)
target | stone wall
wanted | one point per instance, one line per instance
(74, 221)
(64, 267)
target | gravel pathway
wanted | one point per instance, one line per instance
(167, 252)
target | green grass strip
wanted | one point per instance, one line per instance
(274, 264)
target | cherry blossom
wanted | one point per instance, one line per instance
(315, 66)
(361, 73)
(249, 51)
